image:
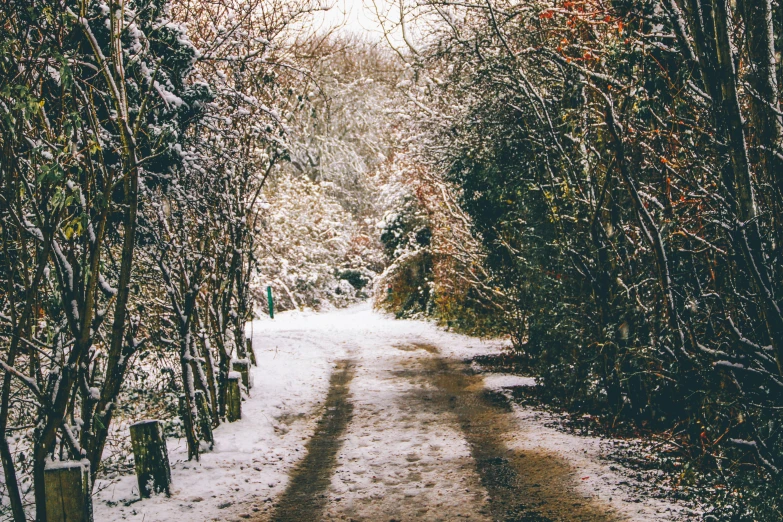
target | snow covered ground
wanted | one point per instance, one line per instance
(394, 453)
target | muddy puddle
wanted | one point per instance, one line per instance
(521, 486)
(306, 494)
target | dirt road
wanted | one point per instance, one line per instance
(419, 438)
(357, 416)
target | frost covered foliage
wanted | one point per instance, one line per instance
(620, 165)
(311, 253)
(435, 264)
(94, 101)
(404, 287)
(320, 245)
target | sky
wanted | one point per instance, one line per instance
(357, 16)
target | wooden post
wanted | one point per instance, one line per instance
(234, 398)
(151, 457)
(204, 418)
(242, 366)
(249, 350)
(68, 491)
(241, 351)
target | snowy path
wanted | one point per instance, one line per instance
(356, 416)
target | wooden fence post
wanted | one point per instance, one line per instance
(151, 457)
(68, 491)
(250, 352)
(242, 366)
(234, 398)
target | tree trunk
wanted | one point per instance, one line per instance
(209, 362)
(20, 326)
(746, 237)
(204, 419)
(188, 385)
(765, 116)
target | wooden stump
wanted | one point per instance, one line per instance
(68, 492)
(234, 398)
(151, 457)
(204, 418)
(250, 352)
(242, 366)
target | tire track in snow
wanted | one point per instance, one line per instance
(305, 496)
(522, 486)
(400, 461)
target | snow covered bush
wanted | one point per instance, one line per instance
(136, 137)
(310, 247)
(435, 264)
(320, 245)
(94, 105)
